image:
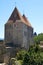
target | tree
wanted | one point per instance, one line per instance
(33, 57)
(38, 38)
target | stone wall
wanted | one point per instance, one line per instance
(19, 34)
(8, 33)
(22, 34)
(27, 36)
(7, 58)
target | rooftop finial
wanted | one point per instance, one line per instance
(15, 3)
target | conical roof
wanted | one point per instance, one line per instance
(17, 16)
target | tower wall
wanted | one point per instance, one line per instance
(22, 34)
(19, 34)
(8, 33)
(27, 36)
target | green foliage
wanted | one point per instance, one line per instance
(20, 54)
(34, 48)
(33, 57)
(14, 61)
(38, 38)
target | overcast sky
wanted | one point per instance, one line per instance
(33, 9)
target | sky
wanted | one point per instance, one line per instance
(33, 10)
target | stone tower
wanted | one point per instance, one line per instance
(18, 31)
